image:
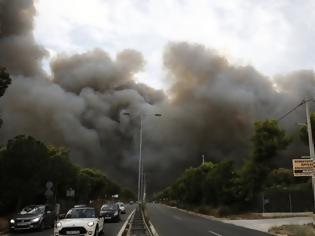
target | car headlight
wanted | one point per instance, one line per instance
(37, 219)
(12, 221)
(90, 223)
(116, 213)
(58, 225)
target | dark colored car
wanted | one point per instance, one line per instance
(110, 212)
(36, 217)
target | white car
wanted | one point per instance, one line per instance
(80, 221)
(122, 207)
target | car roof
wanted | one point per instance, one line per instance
(79, 206)
(110, 204)
(34, 205)
(83, 208)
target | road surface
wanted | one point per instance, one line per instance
(110, 229)
(171, 221)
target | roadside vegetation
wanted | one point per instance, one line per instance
(223, 188)
(26, 165)
(294, 230)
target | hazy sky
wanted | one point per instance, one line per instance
(274, 36)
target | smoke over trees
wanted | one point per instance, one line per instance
(209, 108)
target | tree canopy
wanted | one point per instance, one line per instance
(26, 165)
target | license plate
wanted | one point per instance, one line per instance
(73, 232)
(107, 217)
(22, 224)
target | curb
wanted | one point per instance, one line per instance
(122, 230)
(152, 229)
(150, 226)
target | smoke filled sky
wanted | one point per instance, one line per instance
(273, 36)
(211, 68)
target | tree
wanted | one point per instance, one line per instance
(268, 140)
(23, 163)
(218, 184)
(26, 165)
(5, 80)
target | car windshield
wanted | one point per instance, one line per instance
(109, 207)
(33, 210)
(81, 213)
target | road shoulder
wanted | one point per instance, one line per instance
(257, 224)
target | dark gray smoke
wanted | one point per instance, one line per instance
(18, 50)
(209, 109)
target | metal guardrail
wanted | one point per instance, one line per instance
(138, 224)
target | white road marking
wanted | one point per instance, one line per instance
(125, 224)
(177, 217)
(214, 233)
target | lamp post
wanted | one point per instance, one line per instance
(140, 166)
(311, 147)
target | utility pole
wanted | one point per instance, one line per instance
(311, 146)
(203, 158)
(140, 167)
(144, 188)
(140, 162)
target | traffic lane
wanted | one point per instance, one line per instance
(47, 232)
(110, 229)
(171, 221)
(113, 228)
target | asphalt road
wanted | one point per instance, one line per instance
(171, 221)
(110, 229)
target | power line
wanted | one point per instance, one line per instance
(293, 109)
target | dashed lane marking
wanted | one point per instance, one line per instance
(214, 233)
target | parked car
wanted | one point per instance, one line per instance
(122, 207)
(37, 217)
(110, 212)
(80, 221)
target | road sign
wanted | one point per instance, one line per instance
(303, 167)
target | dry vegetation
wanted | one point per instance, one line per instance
(294, 230)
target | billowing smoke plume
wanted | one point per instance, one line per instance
(18, 50)
(209, 109)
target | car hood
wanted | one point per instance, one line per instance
(26, 216)
(77, 222)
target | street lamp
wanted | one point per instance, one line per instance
(311, 147)
(140, 167)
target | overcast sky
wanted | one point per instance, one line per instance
(273, 36)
